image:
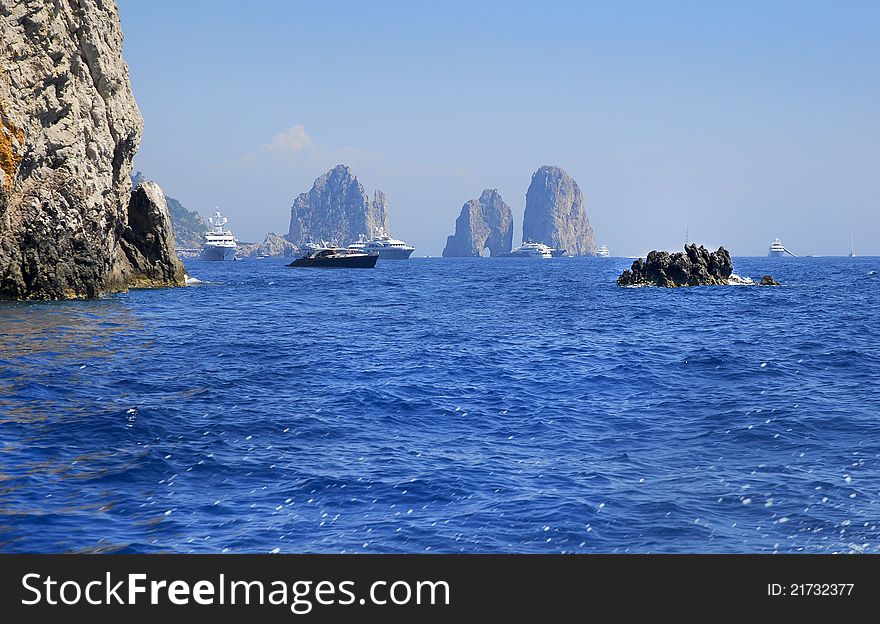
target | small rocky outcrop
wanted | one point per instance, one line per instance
(147, 241)
(188, 225)
(696, 266)
(69, 128)
(767, 280)
(272, 246)
(555, 214)
(336, 209)
(486, 222)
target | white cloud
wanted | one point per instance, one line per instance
(294, 140)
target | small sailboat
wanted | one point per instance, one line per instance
(852, 244)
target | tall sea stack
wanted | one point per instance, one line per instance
(70, 226)
(486, 222)
(337, 208)
(555, 213)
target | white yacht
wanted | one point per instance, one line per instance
(386, 248)
(530, 250)
(777, 249)
(359, 244)
(603, 252)
(219, 243)
(311, 247)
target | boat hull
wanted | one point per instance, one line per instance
(217, 254)
(525, 255)
(776, 254)
(343, 262)
(394, 253)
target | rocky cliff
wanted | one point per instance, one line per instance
(555, 214)
(188, 225)
(69, 127)
(336, 209)
(273, 245)
(697, 266)
(484, 222)
(148, 241)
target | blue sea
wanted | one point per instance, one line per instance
(473, 405)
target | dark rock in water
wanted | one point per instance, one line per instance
(768, 280)
(188, 225)
(696, 266)
(555, 214)
(69, 128)
(337, 209)
(148, 240)
(483, 223)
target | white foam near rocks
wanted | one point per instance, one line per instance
(192, 281)
(736, 280)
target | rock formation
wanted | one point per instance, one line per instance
(69, 127)
(336, 209)
(695, 267)
(273, 245)
(555, 214)
(767, 280)
(484, 222)
(188, 225)
(148, 241)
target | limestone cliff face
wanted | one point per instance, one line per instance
(484, 222)
(69, 127)
(337, 208)
(555, 214)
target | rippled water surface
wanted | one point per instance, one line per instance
(445, 406)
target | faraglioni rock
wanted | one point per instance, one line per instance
(70, 227)
(555, 214)
(486, 222)
(696, 266)
(272, 246)
(337, 209)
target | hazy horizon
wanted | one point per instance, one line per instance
(735, 123)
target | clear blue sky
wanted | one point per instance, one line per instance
(742, 120)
